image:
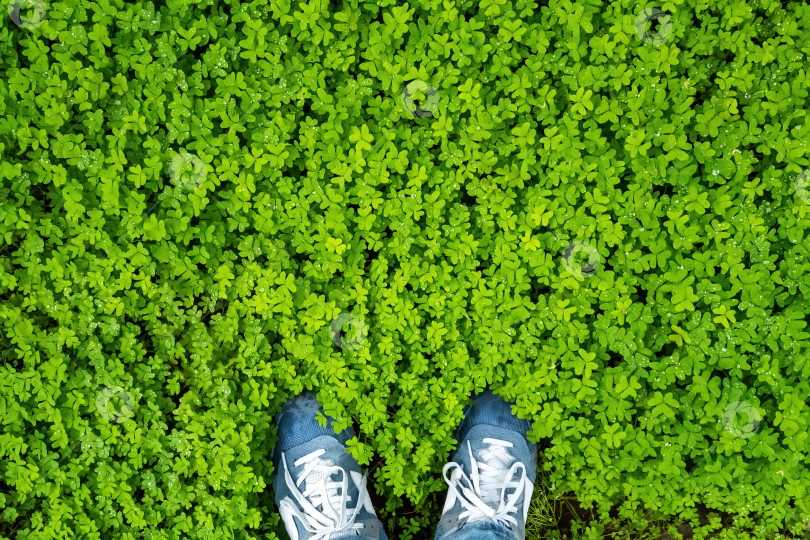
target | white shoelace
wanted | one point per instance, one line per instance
(491, 478)
(320, 491)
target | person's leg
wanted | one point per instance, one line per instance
(319, 488)
(491, 477)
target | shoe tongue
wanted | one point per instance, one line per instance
(315, 480)
(496, 456)
(500, 461)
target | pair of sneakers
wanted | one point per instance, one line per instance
(321, 492)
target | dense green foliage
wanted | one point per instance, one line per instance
(597, 209)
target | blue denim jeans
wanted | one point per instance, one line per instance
(480, 531)
(473, 531)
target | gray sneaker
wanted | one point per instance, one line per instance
(319, 488)
(491, 476)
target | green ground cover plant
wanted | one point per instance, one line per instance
(599, 209)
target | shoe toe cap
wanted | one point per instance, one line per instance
(297, 423)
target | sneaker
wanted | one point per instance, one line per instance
(319, 488)
(492, 473)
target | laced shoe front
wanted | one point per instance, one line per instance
(492, 492)
(491, 476)
(323, 504)
(319, 487)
